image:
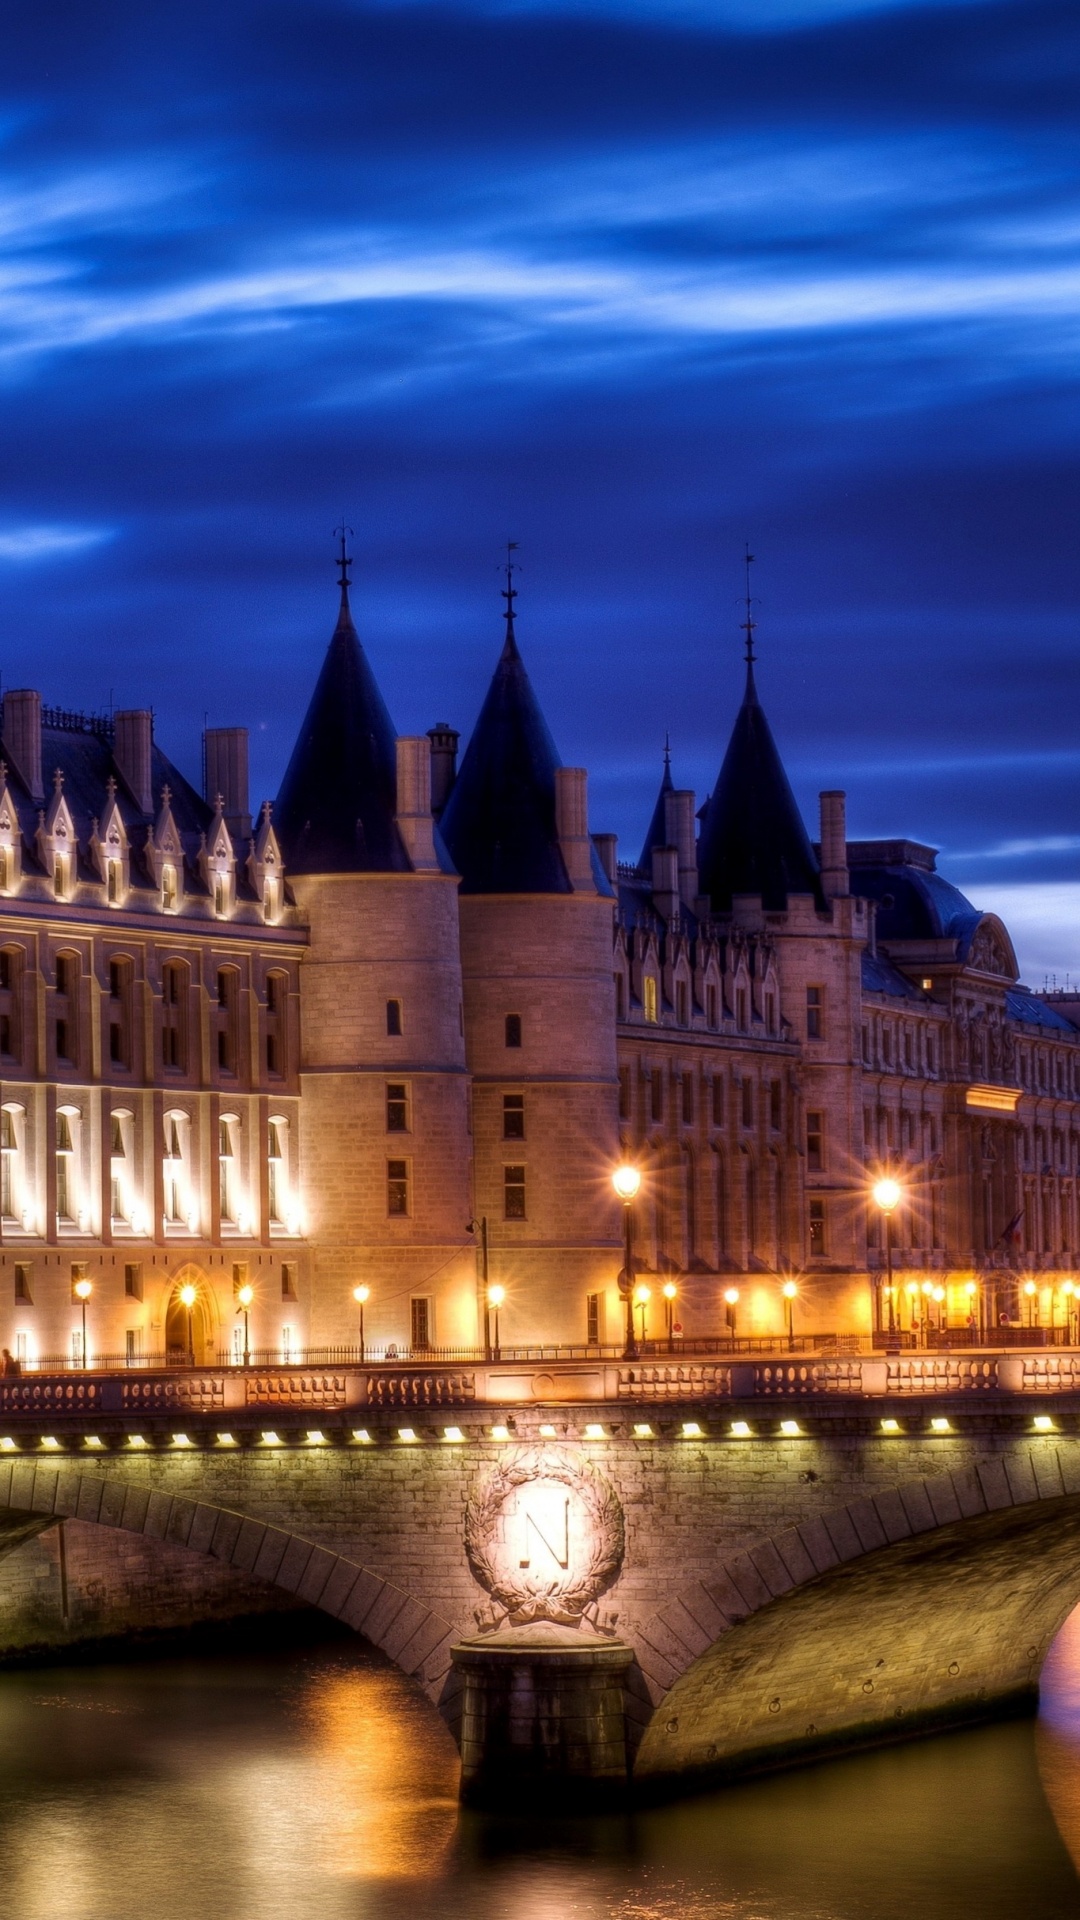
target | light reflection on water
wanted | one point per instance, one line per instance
(319, 1784)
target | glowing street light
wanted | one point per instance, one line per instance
(626, 1181)
(731, 1301)
(83, 1289)
(789, 1291)
(495, 1297)
(188, 1297)
(244, 1296)
(642, 1296)
(670, 1290)
(361, 1295)
(1032, 1293)
(887, 1194)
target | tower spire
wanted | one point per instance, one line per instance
(749, 625)
(344, 562)
(509, 592)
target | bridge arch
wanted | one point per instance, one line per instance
(928, 1603)
(411, 1634)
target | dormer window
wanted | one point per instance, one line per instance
(649, 998)
(168, 888)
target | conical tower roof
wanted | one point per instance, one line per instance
(657, 834)
(752, 835)
(499, 822)
(335, 809)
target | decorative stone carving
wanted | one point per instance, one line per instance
(544, 1535)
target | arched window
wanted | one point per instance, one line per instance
(181, 1205)
(11, 966)
(67, 1166)
(283, 1211)
(174, 1015)
(121, 1167)
(12, 1163)
(228, 1171)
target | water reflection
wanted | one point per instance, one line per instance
(320, 1784)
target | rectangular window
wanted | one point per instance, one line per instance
(688, 1099)
(513, 1116)
(931, 1054)
(656, 1094)
(817, 1226)
(886, 1046)
(514, 1193)
(132, 1345)
(649, 999)
(23, 1295)
(393, 1017)
(133, 1280)
(593, 1305)
(909, 1050)
(775, 1114)
(748, 1103)
(273, 1056)
(710, 1004)
(5, 971)
(397, 1107)
(5, 1035)
(62, 1041)
(718, 1102)
(20, 1349)
(620, 997)
(815, 1013)
(286, 1344)
(420, 1325)
(397, 1187)
(288, 1280)
(624, 1093)
(682, 1003)
(513, 1029)
(868, 1127)
(866, 1046)
(815, 1156)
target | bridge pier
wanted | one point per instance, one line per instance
(543, 1717)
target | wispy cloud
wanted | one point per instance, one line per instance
(24, 545)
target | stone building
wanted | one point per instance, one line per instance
(398, 1035)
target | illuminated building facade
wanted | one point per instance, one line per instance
(377, 1038)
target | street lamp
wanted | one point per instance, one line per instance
(496, 1296)
(971, 1289)
(789, 1290)
(362, 1295)
(1069, 1290)
(1033, 1304)
(887, 1196)
(188, 1297)
(731, 1301)
(83, 1289)
(626, 1181)
(244, 1297)
(670, 1291)
(642, 1296)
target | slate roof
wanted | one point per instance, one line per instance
(499, 821)
(752, 835)
(915, 903)
(82, 750)
(880, 976)
(1034, 1012)
(335, 807)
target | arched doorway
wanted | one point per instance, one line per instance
(189, 1330)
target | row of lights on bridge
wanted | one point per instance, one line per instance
(455, 1436)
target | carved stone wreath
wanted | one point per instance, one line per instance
(526, 1595)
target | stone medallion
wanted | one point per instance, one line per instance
(544, 1535)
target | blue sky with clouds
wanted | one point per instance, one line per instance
(628, 282)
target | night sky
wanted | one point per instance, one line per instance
(630, 282)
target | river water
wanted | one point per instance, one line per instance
(315, 1785)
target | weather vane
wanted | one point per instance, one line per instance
(748, 625)
(344, 558)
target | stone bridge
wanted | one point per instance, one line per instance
(696, 1568)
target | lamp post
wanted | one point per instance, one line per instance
(83, 1289)
(670, 1291)
(626, 1181)
(495, 1298)
(731, 1301)
(942, 1310)
(244, 1297)
(1032, 1293)
(642, 1296)
(789, 1291)
(1069, 1290)
(362, 1295)
(887, 1198)
(913, 1301)
(188, 1297)
(971, 1290)
(480, 1228)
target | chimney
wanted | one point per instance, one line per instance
(665, 881)
(834, 867)
(444, 746)
(413, 812)
(606, 845)
(679, 827)
(22, 737)
(133, 737)
(225, 763)
(572, 826)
